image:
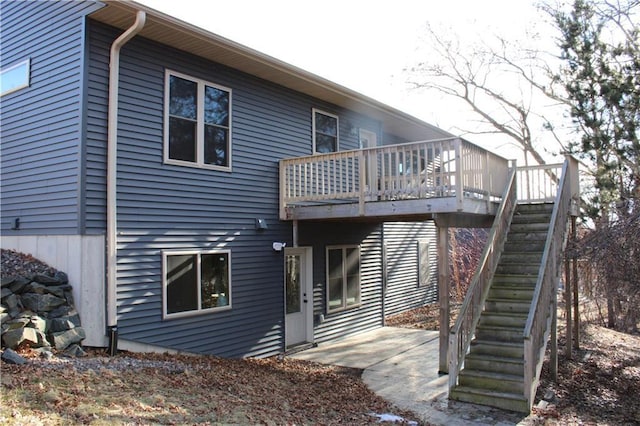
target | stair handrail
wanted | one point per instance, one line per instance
(538, 325)
(465, 325)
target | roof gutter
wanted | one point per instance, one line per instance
(112, 162)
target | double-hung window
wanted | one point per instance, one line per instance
(197, 128)
(325, 132)
(343, 277)
(196, 282)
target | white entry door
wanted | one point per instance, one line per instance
(369, 139)
(298, 296)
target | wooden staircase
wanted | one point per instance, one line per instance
(493, 369)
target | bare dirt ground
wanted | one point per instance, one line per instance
(599, 386)
(136, 389)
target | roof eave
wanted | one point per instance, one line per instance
(181, 35)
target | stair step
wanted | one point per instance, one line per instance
(495, 363)
(507, 305)
(534, 208)
(534, 217)
(524, 246)
(520, 280)
(521, 257)
(526, 236)
(530, 227)
(496, 348)
(501, 333)
(517, 268)
(511, 292)
(512, 319)
(490, 380)
(502, 400)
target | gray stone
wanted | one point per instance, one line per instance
(68, 295)
(45, 279)
(43, 342)
(62, 311)
(38, 323)
(61, 277)
(19, 284)
(64, 339)
(61, 324)
(74, 351)
(13, 302)
(4, 317)
(11, 357)
(13, 338)
(7, 281)
(41, 302)
(37, 288)
(5, 292)
(44, 352)
(20, 322)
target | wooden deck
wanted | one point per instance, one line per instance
(413, 180)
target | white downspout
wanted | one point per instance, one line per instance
(112, 152)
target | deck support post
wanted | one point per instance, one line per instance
(576, 312)
(553, 358)
(443, 297)
(567, 304)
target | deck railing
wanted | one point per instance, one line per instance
(538, 325)
(464, 328)
(425, 169)
(538, 183)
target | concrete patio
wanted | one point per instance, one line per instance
(401, 365)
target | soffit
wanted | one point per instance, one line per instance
(189, 38)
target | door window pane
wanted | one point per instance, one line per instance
(293, 284)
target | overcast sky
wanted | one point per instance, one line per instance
(360, 44)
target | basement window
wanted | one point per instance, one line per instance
(15, 77)
(196, 282)
(343, 278)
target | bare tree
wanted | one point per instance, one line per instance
(499, 83)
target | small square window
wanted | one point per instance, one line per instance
(196, 282)
(343, 278)
(325, 132)
(197, 123)
(15, 77)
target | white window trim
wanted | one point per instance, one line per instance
(199, 311)
(200, 123)
(344, 287)
(28, 75)
(313, 128)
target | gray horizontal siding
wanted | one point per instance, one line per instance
(40, 130)
(401, 247)
(169, 207)
(369, 314)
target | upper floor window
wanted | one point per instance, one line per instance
(343, 277)
(196, 282)
(197, 122)
(15, 77)
(325, 132)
